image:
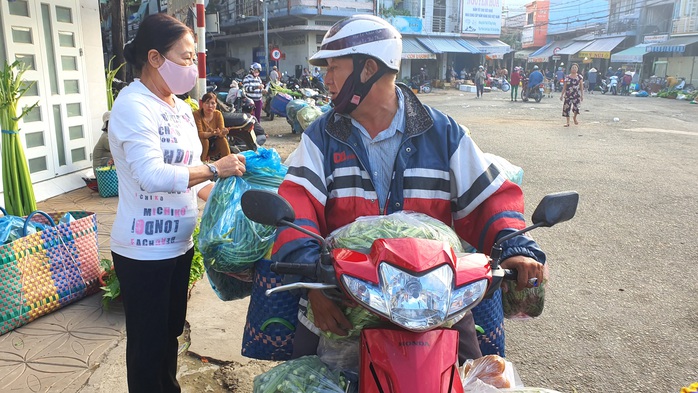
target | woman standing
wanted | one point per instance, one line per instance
(212, 131)
(572, 94)
(156, 149)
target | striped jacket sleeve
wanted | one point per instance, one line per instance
(486, 204)
(304, 187)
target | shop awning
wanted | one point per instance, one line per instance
(601, 48)
(543, 54)
(523, 54)
(630, 55)
(573, 48)
(676, 44)
(446, 45)
(489, 45)
(412, 49)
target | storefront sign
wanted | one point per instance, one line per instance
(655, 39)
(494, 56)
(418, 56)
(482, 17)
(595, 55)
(407, 24)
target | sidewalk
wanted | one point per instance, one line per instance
(81, 348)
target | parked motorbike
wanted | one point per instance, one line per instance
(415, 286)
(611, 86)
(244, 133)
(422, 85)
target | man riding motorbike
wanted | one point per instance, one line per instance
(409, 156)
(535, 79)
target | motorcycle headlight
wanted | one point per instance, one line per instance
(416, 303)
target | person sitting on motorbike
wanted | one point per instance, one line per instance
(233, 93)
(609, 72)
(260, 136)
(212, 131)
(394, 153)
(535, 78)
(559, 77)
(317, 74)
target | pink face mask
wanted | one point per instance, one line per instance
(180, 79)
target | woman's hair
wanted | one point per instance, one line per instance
(205, 98)
(157, 31)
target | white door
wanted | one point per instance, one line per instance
(46, 37)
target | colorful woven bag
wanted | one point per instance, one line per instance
(107, 181)
(49, 269)
(271, 320)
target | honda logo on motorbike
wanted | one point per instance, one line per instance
(414, 344)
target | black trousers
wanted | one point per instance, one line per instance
(154, 295)
(306, 342)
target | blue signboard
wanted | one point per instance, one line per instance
(258, 57)
(407, 24)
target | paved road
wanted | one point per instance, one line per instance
(621, 312)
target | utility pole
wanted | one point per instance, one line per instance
(266, 39)
(117, 36)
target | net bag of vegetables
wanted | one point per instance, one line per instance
(228, 240)
(307, 374)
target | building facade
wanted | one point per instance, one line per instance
(60, 43)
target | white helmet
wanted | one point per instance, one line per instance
(361, 35)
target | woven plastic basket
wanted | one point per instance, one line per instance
(46, 270)
(271, 320)
(107, 181)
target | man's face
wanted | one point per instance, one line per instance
(338, 70)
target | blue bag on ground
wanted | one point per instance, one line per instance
(229, 241)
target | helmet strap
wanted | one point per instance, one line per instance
(354, 91)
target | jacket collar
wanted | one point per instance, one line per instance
(417, 119)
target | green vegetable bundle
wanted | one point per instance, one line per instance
(228, 240)
(523, 304)
(360, 234)
(303, 375)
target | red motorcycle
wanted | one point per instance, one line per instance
(416, 286)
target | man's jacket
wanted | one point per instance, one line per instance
(438, 171)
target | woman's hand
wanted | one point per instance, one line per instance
(231, 165)
(223, 131)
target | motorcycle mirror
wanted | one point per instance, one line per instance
(266, 207)
(269, 208)
(556, 208)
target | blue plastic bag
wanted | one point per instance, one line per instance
(12, 228)
(228, 240)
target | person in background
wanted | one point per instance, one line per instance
(534, 79)
(480, 77)
(156, 150)
(101, 153)
(274, 75)
(515, 82)
(609, 72)
(591, 77)
(254, 89)
(212, 131)
(572, 94)
(399, 149)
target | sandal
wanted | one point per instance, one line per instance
(566, 125)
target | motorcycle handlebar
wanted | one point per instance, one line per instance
(302, 269)
(509, 274)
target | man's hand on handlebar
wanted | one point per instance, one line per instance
(328, 315)
(527, 268)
